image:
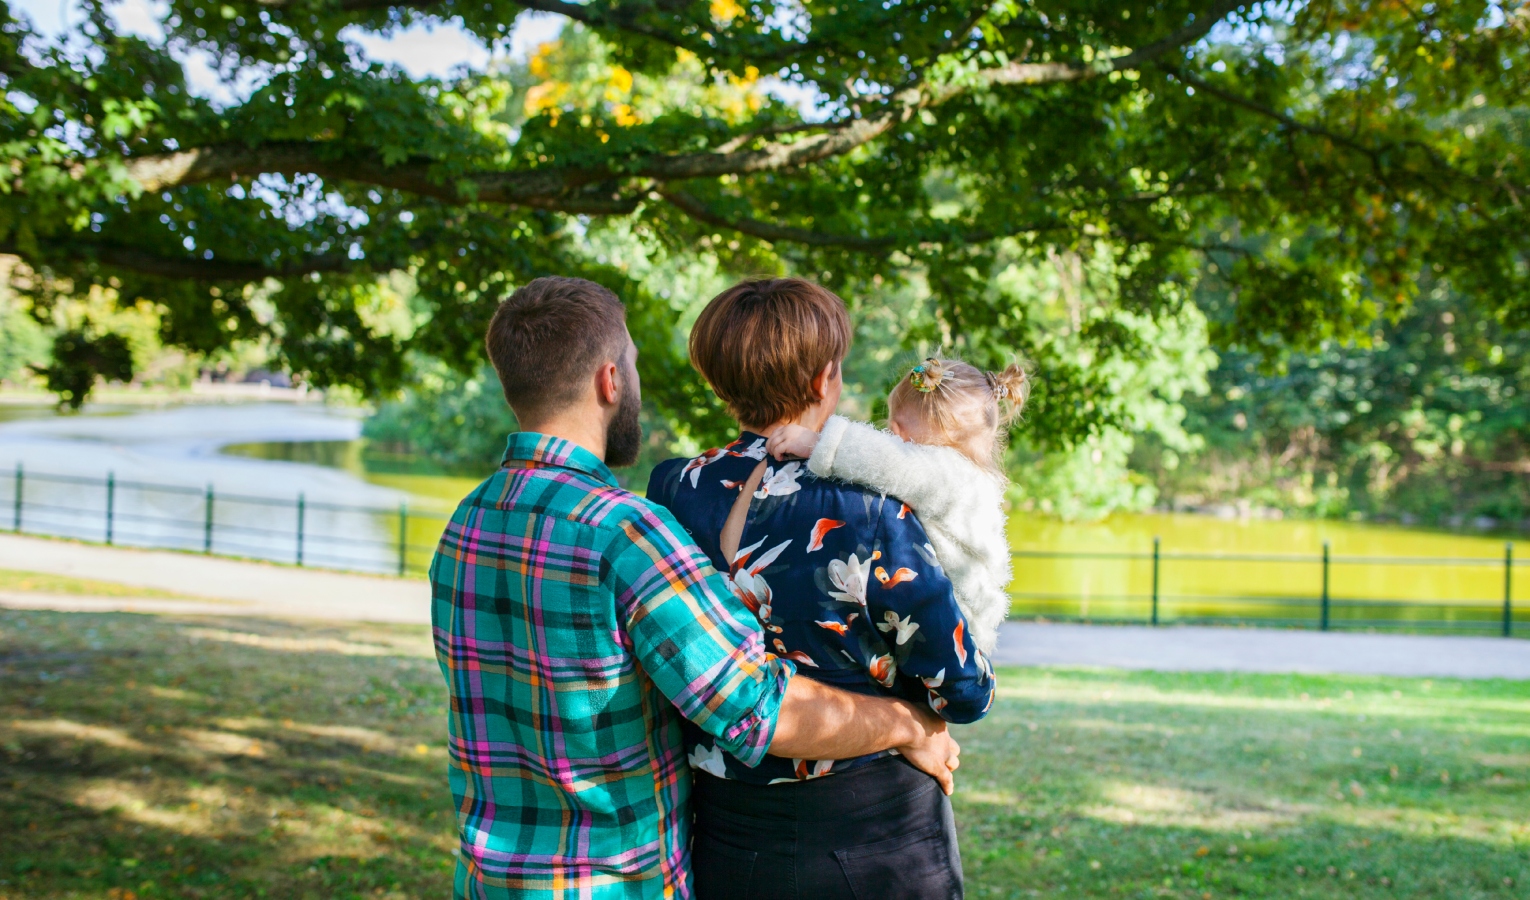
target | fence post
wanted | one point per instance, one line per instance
(111, 502)
(1324, 625)
(1155, 579)
(403, 537)
(300, 530)
(1508, 590)
(20, 483)
(207, 522)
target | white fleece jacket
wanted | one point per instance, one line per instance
(959, 504)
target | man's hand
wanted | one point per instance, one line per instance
(792, 441)
(935, 753)
(822, 722)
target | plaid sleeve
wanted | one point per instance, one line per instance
(698, 642)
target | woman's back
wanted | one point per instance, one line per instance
(844, 582)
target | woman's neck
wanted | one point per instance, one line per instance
(812, 419)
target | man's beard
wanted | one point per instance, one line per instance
(624, 436)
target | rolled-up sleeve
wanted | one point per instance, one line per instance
(700, 644)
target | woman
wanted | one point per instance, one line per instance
(846, 586)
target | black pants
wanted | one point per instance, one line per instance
(880, 832)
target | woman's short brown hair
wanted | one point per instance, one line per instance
(759, 344)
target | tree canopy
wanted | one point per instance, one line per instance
(1320, 157)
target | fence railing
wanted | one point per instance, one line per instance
(292, 529)
(398, 540)
(1324, 609)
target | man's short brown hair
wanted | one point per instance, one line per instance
(549, 336)
(760, 343)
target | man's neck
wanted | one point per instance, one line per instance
(586, 429)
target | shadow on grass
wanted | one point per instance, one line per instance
(147, 756)
(151, 757)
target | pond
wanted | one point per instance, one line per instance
(158, 477)
(1377, 573)
(364, 513)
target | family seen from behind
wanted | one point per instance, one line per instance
(740, 685)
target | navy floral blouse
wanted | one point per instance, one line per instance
(845, 584)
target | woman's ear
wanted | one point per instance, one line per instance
(822, 379)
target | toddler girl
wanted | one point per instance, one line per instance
(942, 458)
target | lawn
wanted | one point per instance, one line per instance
(43, 583)
(145, 757)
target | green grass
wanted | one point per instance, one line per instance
(145, 757)
(43, 583)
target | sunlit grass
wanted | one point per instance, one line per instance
(1105, 784)
(43, 583)
(147, 757)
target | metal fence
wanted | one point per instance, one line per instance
(1323, 609)
(399, 541)
(291, 529)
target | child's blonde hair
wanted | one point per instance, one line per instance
(964, 407)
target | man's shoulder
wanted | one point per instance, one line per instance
(561, 493)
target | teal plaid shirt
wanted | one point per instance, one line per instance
(575, 623)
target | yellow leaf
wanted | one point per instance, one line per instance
(726, 10)
(621, 79)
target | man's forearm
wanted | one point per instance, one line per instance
(822, 722)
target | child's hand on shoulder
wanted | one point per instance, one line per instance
(792, 441)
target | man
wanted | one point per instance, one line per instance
(575, 623)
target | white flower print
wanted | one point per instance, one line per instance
(754, 591)
(884, 669)
(927, 553)
(932, 682)
(849, 577)
(747, 582)
(755, 450)
(694, 467)
(779, 482)
(796, 656)
(905, 627)
(709, 760)
(820, 768)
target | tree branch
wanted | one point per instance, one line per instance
(183, 267)
(693, 207)
(561, 189)
(1028, 74)
(619, 18)
(545, 188)
(1282, 118)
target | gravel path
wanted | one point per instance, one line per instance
(232, 587)
(1204, 649)
(248, 588)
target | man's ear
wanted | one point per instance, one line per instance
(608, 388)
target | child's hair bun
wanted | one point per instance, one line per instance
(1011, 387)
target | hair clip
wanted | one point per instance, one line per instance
(926, 376)
(1000, 389)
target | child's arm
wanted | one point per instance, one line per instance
(935, 481)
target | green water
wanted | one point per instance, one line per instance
(1376, 576)
(1377, 573)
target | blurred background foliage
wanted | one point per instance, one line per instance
(1274, 254)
